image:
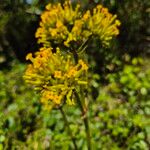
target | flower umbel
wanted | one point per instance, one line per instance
(55, 75)
(102, 24)
(55, 22)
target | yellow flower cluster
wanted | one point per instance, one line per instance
(55, 21)
(55, 75)
(102, 24)
(63, 24)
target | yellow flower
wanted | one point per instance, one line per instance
(49, 95)
(57, 99)
(117, 22)
(84, 66)
(53, 32)
(29, 69)
(29, 57)
(57, 74)
(87, 15)
(71, 73)
(59, 24)
(37, 63)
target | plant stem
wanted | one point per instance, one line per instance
(68, 127)
(85, 119)
(82, 108)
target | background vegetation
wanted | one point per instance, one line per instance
(119, 83)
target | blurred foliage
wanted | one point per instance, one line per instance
(18, 23)
(124, 106)
(119, 87)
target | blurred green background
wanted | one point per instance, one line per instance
(119, 78)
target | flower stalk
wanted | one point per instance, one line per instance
(85, 119)
(82, 106)
(68, 128)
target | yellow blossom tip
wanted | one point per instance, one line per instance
(29, 56)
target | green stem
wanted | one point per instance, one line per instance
(85, 119)
(82, 108)
(68, 127)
